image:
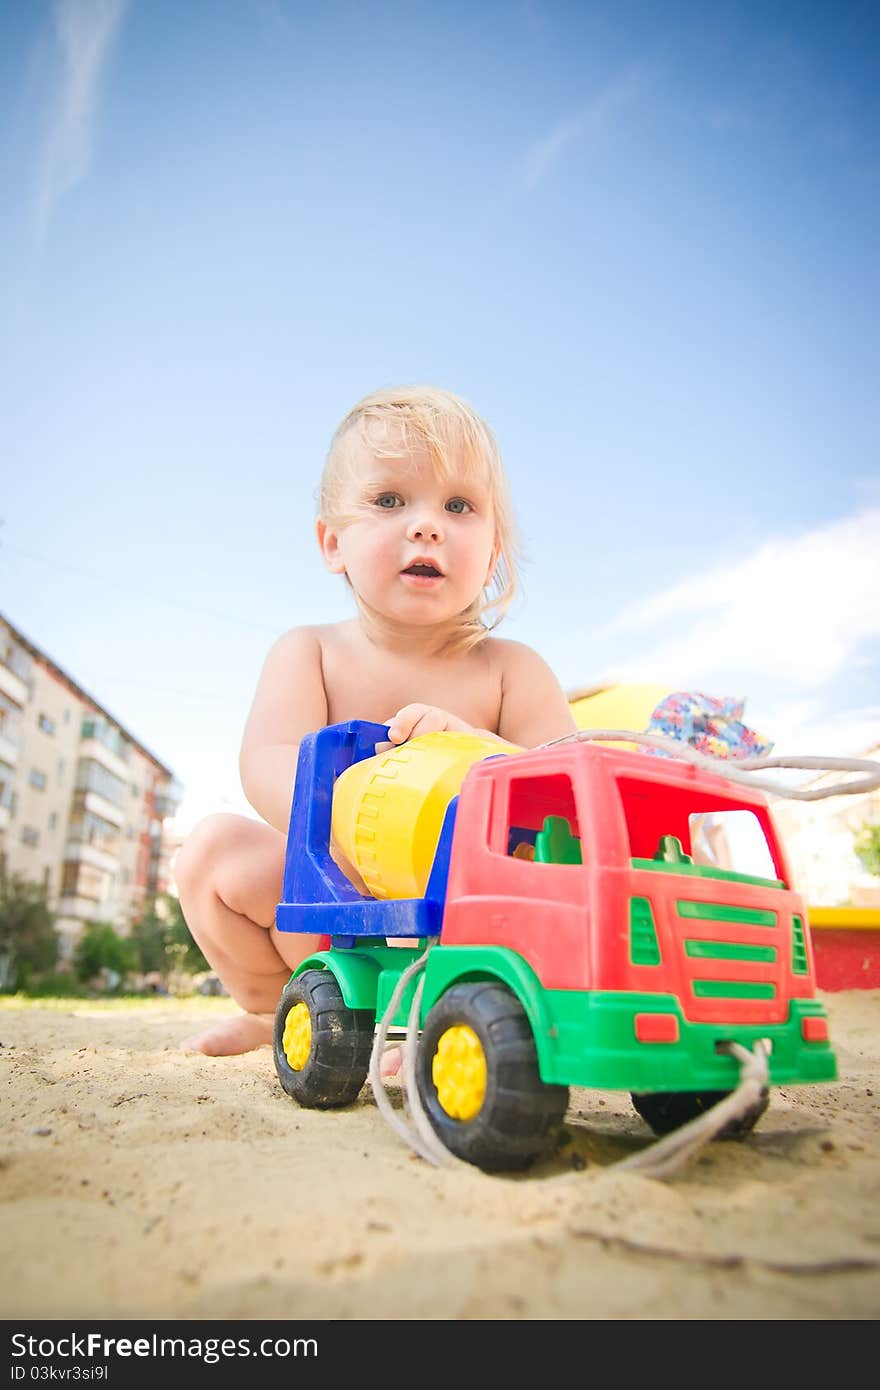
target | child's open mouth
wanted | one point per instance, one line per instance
(427, 571)
(423, 571)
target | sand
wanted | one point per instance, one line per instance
(140, 1182)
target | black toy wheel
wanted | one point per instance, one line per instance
(322, 1047)
(666, 1111)
(477, 1073)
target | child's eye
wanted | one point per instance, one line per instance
(388, 501)
(459, 505)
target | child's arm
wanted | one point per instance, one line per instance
(534, 708)
(289, 703)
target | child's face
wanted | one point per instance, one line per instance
(423, 547)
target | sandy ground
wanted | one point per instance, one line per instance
(141, 1182)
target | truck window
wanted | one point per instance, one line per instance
(697, 832)
(542, 822)
(555, 843)
(731, 840)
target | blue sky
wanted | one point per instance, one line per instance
(640, 238)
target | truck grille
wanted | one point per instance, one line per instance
(734, 960)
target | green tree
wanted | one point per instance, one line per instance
(186, 949)
(148, 937)
(867, 848)
(162, 941)
(101, 947)
(29, 942)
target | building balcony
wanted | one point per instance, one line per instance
(13, 686)
(81, 908)
(77, 852)
(100, 806)
(167, 799)
(98, 752)
(8, 750)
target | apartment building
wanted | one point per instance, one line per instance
(82, 801)
(820, 841)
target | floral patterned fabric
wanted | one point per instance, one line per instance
(711, 724)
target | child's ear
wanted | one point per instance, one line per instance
(328, 541)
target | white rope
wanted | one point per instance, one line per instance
(424, 1140)
(429, 1136)
(742, 769)
(665, 1157)
(661, 1160)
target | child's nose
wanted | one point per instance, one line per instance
(425, 528)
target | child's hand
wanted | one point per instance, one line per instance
(423, 719)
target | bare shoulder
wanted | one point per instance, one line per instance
(514, 660)
(289, 700)
(503, 650)
(534, 708)
(296, 643)
(306, 644)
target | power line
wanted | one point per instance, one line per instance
(201, 696)
(145, 596)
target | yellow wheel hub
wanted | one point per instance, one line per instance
(458, 1070)
(297, 1037)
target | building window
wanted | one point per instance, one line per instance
(108, 734)
(53, 820)
(37, 779)
(91, 776)
(84, 881)
(60, 770)
(47, 878)
(29, 835)
(46, 724)
(10, 720)
(88, 829)
(16, 658)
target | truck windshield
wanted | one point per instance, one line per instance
(674, 829)
(731, 840)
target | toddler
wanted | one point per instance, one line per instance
(414, 512)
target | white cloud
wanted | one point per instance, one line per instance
(84, 33)
(800, 608)
(542, 155)
(805, 727)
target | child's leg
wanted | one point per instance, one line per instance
(229, 874)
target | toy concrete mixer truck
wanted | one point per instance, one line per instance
(578, 934)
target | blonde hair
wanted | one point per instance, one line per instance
(398, 420)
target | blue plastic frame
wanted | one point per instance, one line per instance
(316, 896)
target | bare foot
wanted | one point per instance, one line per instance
(232, 1036)
(391, 1061)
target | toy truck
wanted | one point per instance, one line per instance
(573, 940)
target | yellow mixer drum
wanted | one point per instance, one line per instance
(617, 707)
(388, 810)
